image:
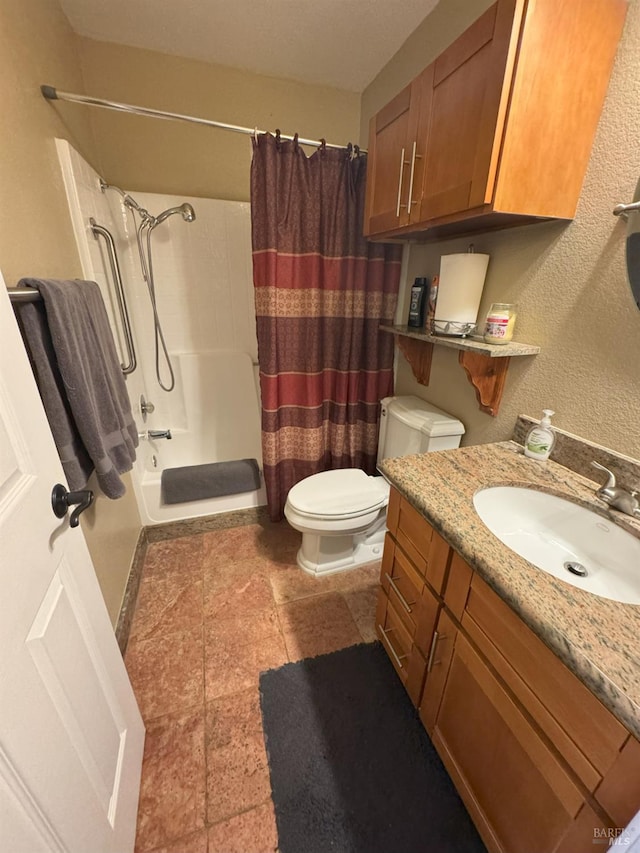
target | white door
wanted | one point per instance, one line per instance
(71, 735)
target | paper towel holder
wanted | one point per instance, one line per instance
(461, 282)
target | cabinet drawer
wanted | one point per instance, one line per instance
(393, 511)
(414, 535)
(428, 552)
(398, 643)
(563, 707)
(402, 583)
(413, 600)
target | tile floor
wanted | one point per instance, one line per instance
(214, 610)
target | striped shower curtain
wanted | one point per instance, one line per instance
(321, 292)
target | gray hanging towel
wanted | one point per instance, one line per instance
(92, 420)
(32, 319)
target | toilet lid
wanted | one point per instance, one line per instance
(345, 493)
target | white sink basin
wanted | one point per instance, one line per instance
(562, 538)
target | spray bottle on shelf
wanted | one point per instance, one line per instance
(540, 439)
(418, 303)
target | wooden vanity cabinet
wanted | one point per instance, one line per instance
(540, 763)
(503, 121)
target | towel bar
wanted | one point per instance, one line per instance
(24, 294)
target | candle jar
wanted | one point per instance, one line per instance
(500, 322)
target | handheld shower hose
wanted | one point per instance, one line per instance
(143, 238)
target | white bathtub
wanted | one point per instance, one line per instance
(214, 416)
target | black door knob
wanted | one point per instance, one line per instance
(62, 499)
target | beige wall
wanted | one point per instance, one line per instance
(171, 157)
(568, 281)
(36, 47)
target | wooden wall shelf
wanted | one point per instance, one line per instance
(485, 364)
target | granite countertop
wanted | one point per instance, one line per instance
(598, 639)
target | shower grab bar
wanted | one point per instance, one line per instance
(120, 296)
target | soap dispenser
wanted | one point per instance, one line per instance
(540, 439)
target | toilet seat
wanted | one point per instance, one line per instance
(338, 495)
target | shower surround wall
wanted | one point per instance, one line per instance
(204, 292)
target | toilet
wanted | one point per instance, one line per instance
(341, 514)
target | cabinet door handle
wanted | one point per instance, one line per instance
(436, 639)
(414, 157)
(403, 601)
(400, 183)
(398, 658)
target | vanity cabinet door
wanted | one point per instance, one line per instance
(439, 660)
(518, 793)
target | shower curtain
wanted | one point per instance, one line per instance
(321, 292)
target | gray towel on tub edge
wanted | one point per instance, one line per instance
(92, 380)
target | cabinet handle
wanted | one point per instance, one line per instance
(387, 642)
(414, 157)
(436, 639)
(403, 601)
(400, 183)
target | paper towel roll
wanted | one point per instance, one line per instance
(460, 289)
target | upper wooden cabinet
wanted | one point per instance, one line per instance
(395, 173)
(498, 130)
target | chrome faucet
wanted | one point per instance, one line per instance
(155, 433)
(615, 496)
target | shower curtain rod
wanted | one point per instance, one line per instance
(53, 94)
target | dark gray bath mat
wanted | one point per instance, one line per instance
(213, 480)
(352, 768)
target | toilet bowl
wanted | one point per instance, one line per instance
(342, 513)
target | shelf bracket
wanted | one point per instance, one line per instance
(487, 375)
(419, 355)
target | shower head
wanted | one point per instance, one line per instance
(185, 210)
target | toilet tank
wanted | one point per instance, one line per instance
(411, 425)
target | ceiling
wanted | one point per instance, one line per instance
(339, 43)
